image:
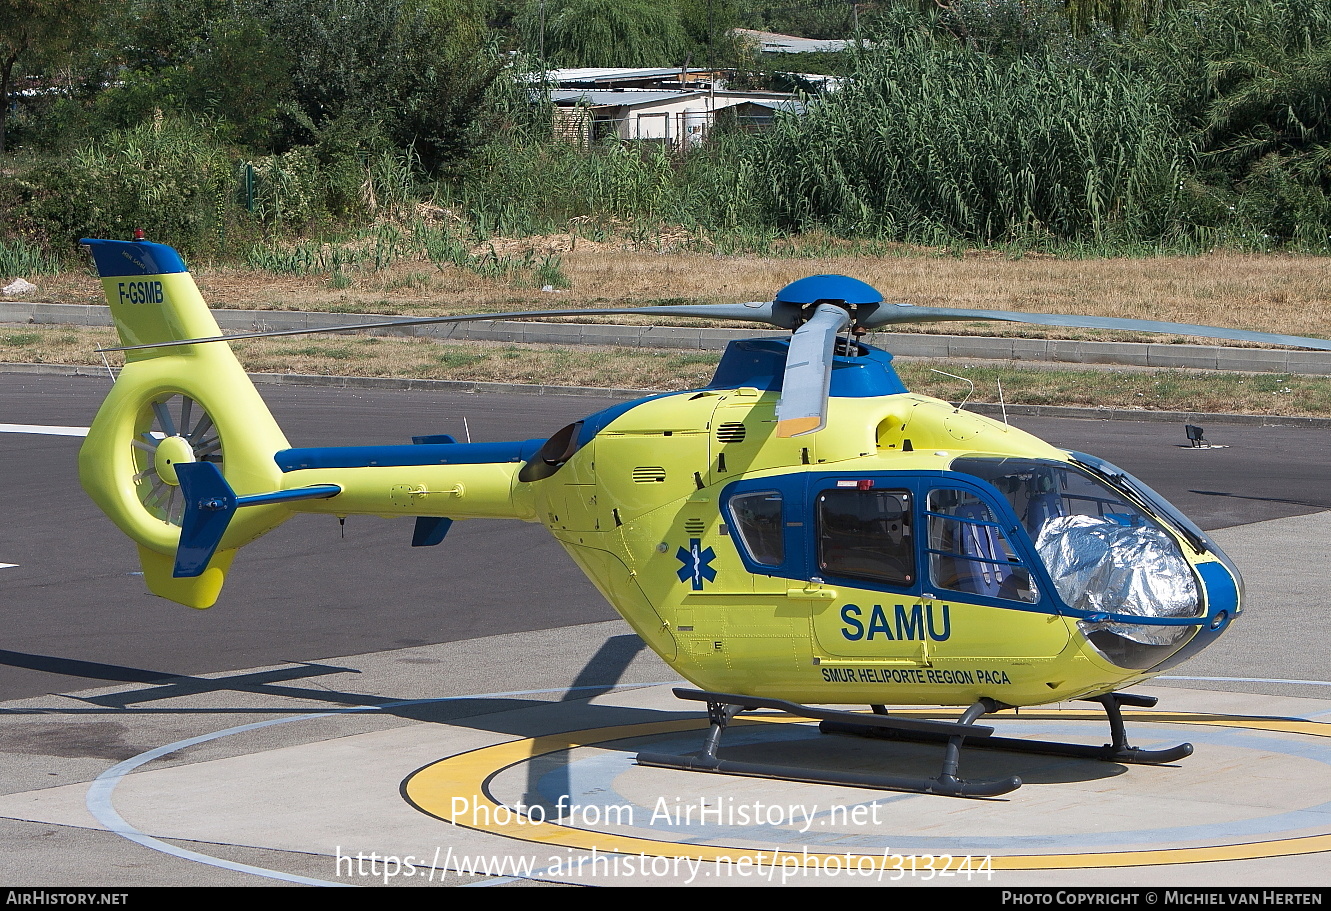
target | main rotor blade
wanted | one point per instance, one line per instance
(777, 314)
(808, 379)
(892, 314)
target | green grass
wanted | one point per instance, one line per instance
(692, 360)
(20, 259)
(457, 359)
(548, 273)
(415, 281)
(338, 353)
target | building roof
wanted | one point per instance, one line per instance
(595, 74)
(774, 43)
(789, 105)
(776, 101)
(603, 97)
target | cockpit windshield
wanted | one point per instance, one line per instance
(1040, 490)
(1103, 552)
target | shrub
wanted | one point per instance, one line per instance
(168, 177)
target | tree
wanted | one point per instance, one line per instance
(346, 76)
(606, 32)
(31, 30)
(1249, 82)
(707, 24)
(413, 69)
(1131, 16)
(211, 60)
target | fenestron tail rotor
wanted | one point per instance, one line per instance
(173, 430)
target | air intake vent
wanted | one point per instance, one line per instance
(695, 526)
(648, 474)
(730, 432)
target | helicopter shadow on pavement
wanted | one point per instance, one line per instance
(802, 747)
(119, 725)
(600, 675)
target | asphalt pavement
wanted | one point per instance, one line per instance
(263, 740)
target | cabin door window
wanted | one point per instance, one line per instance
(867, 534)
(968, 550)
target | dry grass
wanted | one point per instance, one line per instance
(632, 368)
(1287, 294)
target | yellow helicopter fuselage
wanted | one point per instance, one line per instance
(642, 503)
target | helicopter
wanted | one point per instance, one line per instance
(802, 532)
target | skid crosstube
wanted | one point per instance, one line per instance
(722, 707)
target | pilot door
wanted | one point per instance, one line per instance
(906, 571)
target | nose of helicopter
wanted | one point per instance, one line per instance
(1221, 587)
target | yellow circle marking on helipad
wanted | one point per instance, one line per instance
(434, 788)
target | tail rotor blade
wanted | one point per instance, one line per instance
(808, 377)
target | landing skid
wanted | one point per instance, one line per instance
(1117, 750)
(722, 707)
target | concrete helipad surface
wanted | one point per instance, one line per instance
(427, 789)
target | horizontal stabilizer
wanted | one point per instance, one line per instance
(209, 505)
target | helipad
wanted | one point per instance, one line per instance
(589, 794)
(428, 791)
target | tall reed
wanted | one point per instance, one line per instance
(931, 142)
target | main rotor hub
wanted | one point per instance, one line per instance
(852, 295)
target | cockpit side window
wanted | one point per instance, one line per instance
(759, 525)
(866, 534)
(968, 551)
